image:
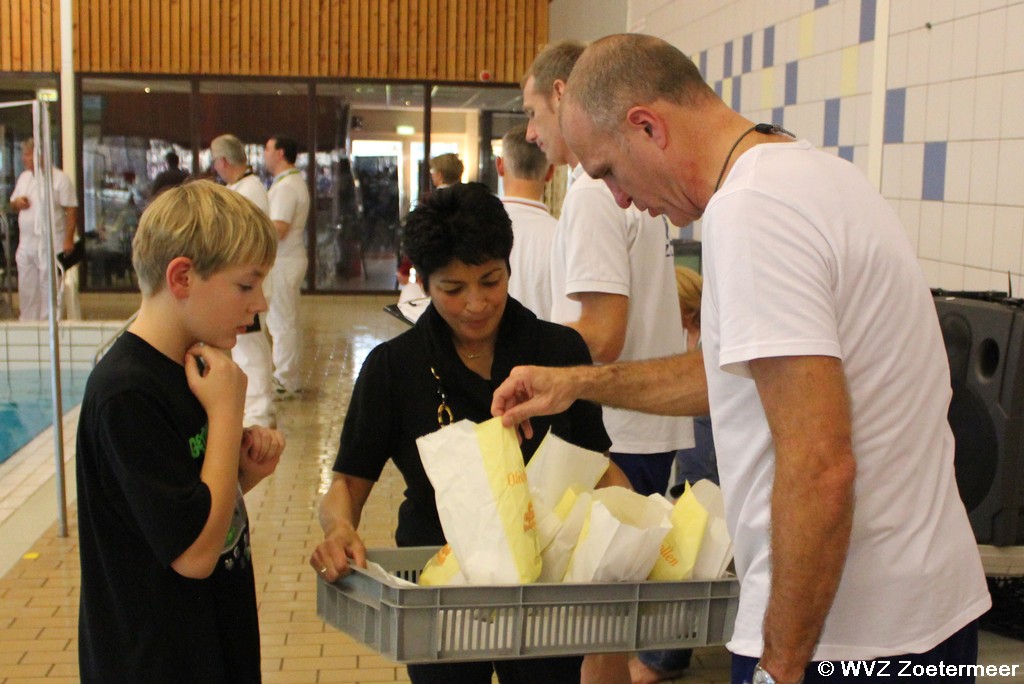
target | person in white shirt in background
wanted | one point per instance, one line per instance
(525, 171)
(252, 352)
(31, 257)
(612, 278)
(289, 208)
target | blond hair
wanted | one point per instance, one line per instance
(522, 158)
(689, 285)
(554, 63)
(449, 166)
(211, 225)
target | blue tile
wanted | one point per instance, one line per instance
(895, 114)
(831, 122)
(846, 152)
(934, 185)
(736, 93)
(727, 63)
(867, 20)
(718, 88)
(820, 3)
(769, 47)
(704, 64)
(748, 53)
(791, 72)
(778, 116)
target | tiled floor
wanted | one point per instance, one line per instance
(39, 595)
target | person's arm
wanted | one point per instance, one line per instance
(672, 386)
(221, 391)
(261, 452)
(70, 228)
(808, 412)
(340, 512)
(282, 228)
(613, 477)
(602, 324)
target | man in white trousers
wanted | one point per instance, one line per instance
(289, 208)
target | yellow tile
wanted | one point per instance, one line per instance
(850, 67)
(806, 48)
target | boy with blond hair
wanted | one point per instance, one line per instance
(167, 582)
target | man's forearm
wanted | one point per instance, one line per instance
(670, 386)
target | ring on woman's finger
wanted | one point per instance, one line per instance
(323, 570)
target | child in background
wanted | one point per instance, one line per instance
(167, 582)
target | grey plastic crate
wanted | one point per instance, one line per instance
(433, 624)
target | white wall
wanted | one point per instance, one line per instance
(585, 19)
(926, 96)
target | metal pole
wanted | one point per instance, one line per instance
(44, 181)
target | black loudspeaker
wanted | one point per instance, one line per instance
(985, 345)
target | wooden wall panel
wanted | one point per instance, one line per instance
(452, 40)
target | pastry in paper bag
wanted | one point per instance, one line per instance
(716, 549)
(483, 500)
(442, 570)
(557, 474)
(620, 538)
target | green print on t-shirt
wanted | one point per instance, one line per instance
(198, 443)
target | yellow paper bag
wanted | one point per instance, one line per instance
(442, 570)
(483, 501)
(679, 550)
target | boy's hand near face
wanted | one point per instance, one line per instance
(220, 384)
(259, 456)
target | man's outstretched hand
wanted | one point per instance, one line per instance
(533, 391)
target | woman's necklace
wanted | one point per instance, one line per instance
(764, 128)
(470, 357)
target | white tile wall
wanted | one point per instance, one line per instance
(964, 77)
(980, 229)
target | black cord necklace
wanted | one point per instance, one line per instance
(765, 128)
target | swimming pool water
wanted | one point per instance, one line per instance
(26, 407)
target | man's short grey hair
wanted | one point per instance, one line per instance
(621, 71)
(522, 158)
(230, 148)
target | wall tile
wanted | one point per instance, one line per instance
(954, 233)
(1011, 120)
(988, 107)
(1008, 236)
(992, 43)
(940, 52)
(892, 171)
(934, 171)
(851, 23)
(1013, 53)
(951, 276)
(1010, 178)
(984, 164)
(895, 114)
(961, 109)
(916, 116)
(867, 20)
(930, 233)
(910, 216)
(936, 124)
(913, 171)
(977, 279)
(980, 229)
(917, 57)
(958, 171)
(930, 269)
(965, 47)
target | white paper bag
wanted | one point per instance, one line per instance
(621, 537)
(557, 474)
(716, 550)
(483, 501)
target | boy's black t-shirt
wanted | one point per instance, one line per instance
(141, 504)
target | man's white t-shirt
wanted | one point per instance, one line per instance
(600, 247)
(533, 228)
(801, 256)
(251, 187)
(289, 202)
(63, 195)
